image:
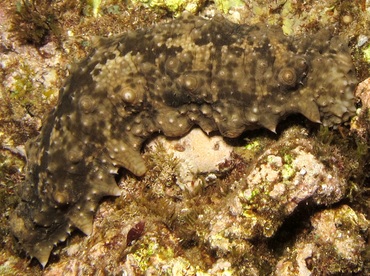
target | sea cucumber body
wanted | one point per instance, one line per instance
(214, 74)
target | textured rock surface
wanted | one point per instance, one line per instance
(191, 151)
(215, 74)
(279, 182)
(335, 230)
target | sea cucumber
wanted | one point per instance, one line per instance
(220, 76)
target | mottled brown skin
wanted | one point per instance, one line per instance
(212, 73)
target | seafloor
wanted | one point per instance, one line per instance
(292, 203)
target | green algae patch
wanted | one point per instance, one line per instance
(366, 53)
(178, 6)
(94, 5)
(226, 5)
(174, 6)
(253, 146)
(288, 170)
(26, 92)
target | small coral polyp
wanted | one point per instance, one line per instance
(220, 76)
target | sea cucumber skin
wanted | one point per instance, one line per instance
(212, 73)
